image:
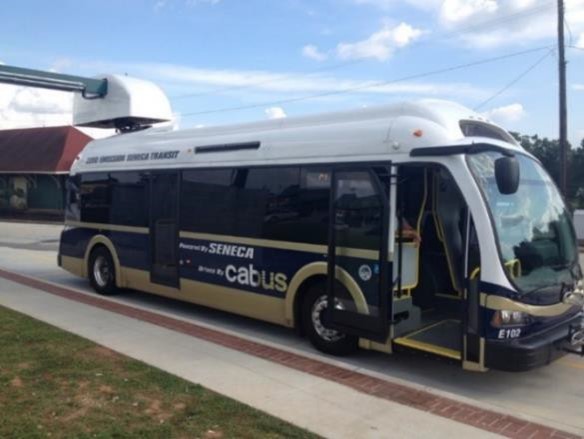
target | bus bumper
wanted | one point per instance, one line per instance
(535, 350)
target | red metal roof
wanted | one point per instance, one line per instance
(46, 150)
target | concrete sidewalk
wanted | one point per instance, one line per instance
(319, 405)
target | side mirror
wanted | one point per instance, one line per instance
(507, 175)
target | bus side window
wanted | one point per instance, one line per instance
(129, 199)
(271, 202)
(72, 198)
(95, 198)
(208, 201)
(313, 205)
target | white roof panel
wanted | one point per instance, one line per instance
(378, 133)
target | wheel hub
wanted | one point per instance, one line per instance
(101, 271)
(317, 314)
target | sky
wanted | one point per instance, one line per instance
(231, 61)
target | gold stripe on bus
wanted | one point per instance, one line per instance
(110, 227)
(503, 303)
(283, 245)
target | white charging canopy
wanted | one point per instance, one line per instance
(129, 104)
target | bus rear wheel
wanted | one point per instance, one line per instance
(322, 337)
(102, 272)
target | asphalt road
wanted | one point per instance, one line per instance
(553, 395)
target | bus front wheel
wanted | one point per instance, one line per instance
(324, 338)
(102, 272)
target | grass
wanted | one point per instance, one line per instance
(56, 384)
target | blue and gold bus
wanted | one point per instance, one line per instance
(419, 226)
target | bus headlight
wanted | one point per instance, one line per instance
(505, 318)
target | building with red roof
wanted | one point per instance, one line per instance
(34, 164)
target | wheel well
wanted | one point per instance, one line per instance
(299, 299)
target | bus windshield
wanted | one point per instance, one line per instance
(536, 238)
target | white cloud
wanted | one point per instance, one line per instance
(160, 4)
(454, 11)
(191, 80)
(312, 52)
(275, 113)
(578, 87)
(494, 23)
(506, 114)
(381, 44)
(97, 133)
(60, 64)
(22, 107)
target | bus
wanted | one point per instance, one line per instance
(420, 226)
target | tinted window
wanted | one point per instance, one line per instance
(269, 203)
(208, 201)
(94, 197)
(358, 210)
(283, 203)
(72, 198)
(129, 199)
(313, 206)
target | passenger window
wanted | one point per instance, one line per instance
(208, 201)
(313, 206)
(280, 203)
(95, 198)
(270, 199)
(129, 199)
(72, 201)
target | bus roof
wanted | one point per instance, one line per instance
(378, 133)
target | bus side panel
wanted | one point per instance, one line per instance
(239, 275)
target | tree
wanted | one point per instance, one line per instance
(548, 153)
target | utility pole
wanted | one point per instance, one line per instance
(563, 102)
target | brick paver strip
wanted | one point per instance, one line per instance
(464, 413)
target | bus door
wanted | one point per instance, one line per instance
(473, 355)
(164, 193)
(358, 267)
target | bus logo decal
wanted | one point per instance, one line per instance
(365, 272)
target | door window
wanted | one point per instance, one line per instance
(357, 211)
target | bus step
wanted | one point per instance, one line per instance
(441, 338)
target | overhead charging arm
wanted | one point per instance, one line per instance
(89, 88)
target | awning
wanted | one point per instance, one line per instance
(40, 150)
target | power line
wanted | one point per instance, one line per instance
(267, 81)
(485, 24)
(514, 81)
(571, 38)
(369, 85)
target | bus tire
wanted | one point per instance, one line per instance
(102, 271)
(322, 338)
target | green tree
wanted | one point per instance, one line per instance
(548, 153)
